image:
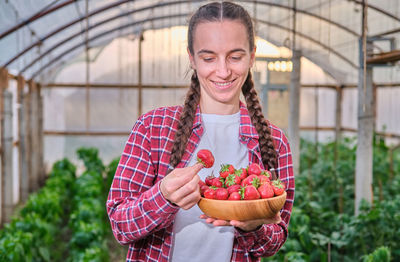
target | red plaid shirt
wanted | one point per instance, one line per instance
(140, 215)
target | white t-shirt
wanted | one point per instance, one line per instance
(195, 240)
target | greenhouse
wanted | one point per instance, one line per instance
(75, 76)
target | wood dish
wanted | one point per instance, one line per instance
(242, 209)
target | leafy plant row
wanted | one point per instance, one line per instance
(323, 226)
(33, 235)
(87, 220)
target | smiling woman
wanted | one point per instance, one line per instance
(152, 200)
(222, 58)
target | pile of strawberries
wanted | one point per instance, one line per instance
(238, 184)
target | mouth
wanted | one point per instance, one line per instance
(223, 84)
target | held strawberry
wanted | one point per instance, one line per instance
(278, 186)
(221, 193)
(205, 157)
(254, 169)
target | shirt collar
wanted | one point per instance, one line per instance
(246, 129)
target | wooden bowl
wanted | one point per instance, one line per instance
(242, 209)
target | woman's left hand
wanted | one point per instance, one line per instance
(248, 225)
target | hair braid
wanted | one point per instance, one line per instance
(267, 148)
(186, 121)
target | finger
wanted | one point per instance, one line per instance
(189, 201)
(187, 189)
(220, 223)
(190, 171)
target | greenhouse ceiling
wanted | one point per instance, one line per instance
(41, 35)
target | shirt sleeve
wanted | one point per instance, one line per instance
(135, 205)
(269, 238)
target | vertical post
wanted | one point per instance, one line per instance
(35, 135)
(294, 113)
(140, 76)
(338, 113)
(32, 135)
(3, 86)
(87, 58)
(23, 168)
(7, 174)
(7, 202)
(28, 136)
(363, 180)
(338, 138)
(41, 169)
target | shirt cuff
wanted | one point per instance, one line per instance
(158, 203)
(248, 239)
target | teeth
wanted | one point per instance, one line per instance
(223, 84)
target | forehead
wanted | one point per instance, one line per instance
(220, 36)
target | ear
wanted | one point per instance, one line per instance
(191, 59)
(253, 56)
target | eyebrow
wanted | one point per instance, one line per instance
(205, 51)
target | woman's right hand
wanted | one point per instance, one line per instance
(181, 186)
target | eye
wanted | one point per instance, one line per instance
(236, 58)
(208, 59)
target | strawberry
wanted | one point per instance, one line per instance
(209, 180)
(218, 182)
(266, 173)
(209, 193)
(221, 193)
(226, 170)
(266, 191)
(233, 188)
(203, 188)
(235, 196)
(231, 180)
(205, 157)
(263, 179)
(254, 169)
(251, 180)
(242, 173)
(278, 186)
(201, 183)
(249, 193)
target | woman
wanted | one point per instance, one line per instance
(152, 201)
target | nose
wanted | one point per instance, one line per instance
(223, 71)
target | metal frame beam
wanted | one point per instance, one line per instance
(105, 8)
(153, 19)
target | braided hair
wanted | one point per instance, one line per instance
(211, 12)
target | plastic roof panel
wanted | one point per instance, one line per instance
(327, 31)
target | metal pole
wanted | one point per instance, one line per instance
(364, 158)
(294, 110)
(23, 168)
(140, 76)
(7, 170)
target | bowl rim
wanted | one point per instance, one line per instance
(245, 201)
